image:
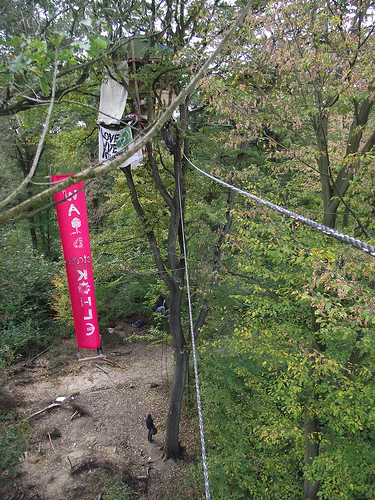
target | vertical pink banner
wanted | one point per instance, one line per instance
(74, 232)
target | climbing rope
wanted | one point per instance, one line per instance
(199, 405)
(344, 238)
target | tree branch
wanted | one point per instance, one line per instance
(38, 153)
(141, 214)
(156, 175)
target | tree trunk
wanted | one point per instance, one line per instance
(31, 222)
(174, 279)
(310, 489)
(173, 448)
(311, 422)
(333, 190)
(320, 126)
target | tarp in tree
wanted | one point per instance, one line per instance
(113, 98)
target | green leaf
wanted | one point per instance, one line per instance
(97, 44)
(45, 86)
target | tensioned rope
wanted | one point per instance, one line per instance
(199, 404)
(344, 238)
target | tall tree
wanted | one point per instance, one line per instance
(170, 179)
(300, 77)
(306, 388)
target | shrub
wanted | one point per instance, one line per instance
(12, 445)
(26, 318)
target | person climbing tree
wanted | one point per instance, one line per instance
(161, 306)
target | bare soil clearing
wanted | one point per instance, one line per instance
(98, 433)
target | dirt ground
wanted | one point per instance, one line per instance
(96, 438)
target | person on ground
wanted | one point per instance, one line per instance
(161, 306)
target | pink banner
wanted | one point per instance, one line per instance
(74, 232)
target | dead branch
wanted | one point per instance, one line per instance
(50, 440)
(37, 356)
(90, 358)
(75, 414)
(113, 364)
(53, 405)
(102, 369)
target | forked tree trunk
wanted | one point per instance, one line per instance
(334, 189)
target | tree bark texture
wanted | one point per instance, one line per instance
(172, 446)
(310, 489)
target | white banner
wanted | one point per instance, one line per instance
(112, 102)
(109, 144)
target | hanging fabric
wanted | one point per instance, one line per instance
(74, 231)
(108, 141)
(113, 98)
(111, 141)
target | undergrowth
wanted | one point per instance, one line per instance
(13, 441)
(154, 334)
(116, 489)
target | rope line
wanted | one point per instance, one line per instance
(344, 238)
(199, 405)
